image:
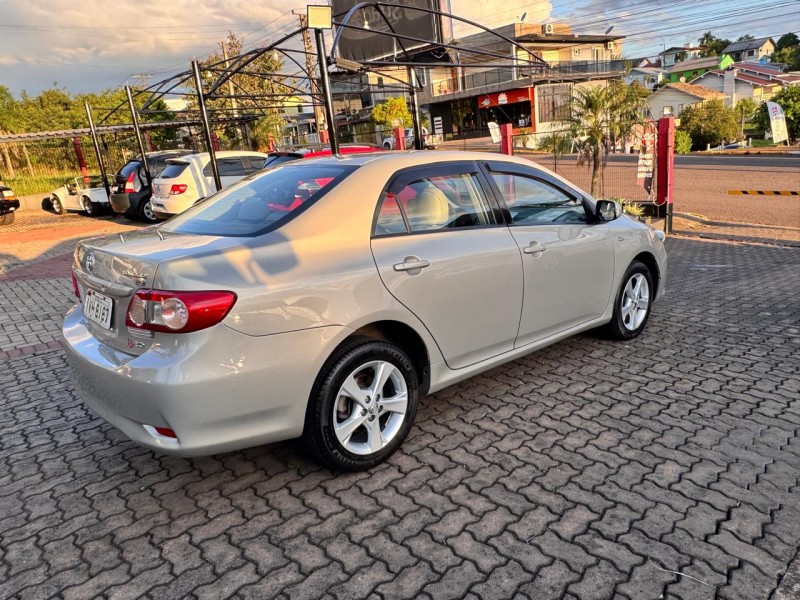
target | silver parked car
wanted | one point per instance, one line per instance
(321, 298)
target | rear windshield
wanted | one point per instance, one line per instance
(278, 159)
(129, 168)
(259, 203)
(173, 170)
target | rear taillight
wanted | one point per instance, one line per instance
(177, 188)
(129, 189)
(75, 289)
(166, 432)
(178, 312)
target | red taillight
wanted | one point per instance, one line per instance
(177, 188)
(129, 184)
(166, 432)
(178, 312)
(75, 287)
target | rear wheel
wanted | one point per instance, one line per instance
(88, 206)
(146, 212)
(58, 208)
(632, 303)
(362, 406)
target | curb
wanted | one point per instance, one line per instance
(725, 237)
(704, 221)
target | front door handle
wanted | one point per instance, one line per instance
(534, 248)
(412, 265)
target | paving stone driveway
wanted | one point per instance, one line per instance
(589, 470)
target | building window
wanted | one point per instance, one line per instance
(751, 53)
(553, 102)
(577, 51)
(666, 111)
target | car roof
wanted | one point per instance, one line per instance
(224, 154)
(411, 158)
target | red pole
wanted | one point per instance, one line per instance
(76, 141)
(399, 138)
(666, 167)
(507, 139)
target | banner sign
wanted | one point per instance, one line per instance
(644, 170)
(502, 98)
(777, 120)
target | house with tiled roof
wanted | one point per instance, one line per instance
(677, 54)
(743, 80)
(750, 50)
(689, 69)
(673, 98)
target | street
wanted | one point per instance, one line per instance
(591, 469)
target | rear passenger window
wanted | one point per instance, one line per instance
(230, 167)
(252, 164)
(439, 203)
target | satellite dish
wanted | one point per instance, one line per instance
(522, 17)
(609, 30)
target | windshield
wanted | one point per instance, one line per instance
(259, 203)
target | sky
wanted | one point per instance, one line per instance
(90, 45)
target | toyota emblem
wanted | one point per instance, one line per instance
(90, 261)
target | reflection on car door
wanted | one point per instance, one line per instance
(442, 253)
(568, 262)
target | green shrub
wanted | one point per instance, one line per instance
(683, 142)
(629, 207)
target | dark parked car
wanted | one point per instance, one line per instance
(130, 191)
(8, 204)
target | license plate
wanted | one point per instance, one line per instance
(97, 308)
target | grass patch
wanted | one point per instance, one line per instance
(761, 143)
(26, 185)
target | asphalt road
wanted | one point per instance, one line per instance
(787, 161)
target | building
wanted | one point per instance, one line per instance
(751, 50)
(647, 77)
(744, 80)
(673, 98)
(690, 69)
(676, 54)
(462, 102)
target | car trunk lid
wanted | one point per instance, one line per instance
(111, 269)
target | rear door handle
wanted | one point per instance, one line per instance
(534, 248)
(411, 264)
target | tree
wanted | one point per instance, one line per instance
(787, 40)
(713, 46)
(789, 100)
(710, 123)
(601, 116)
(745, 109)
(683, 142)
(788, 56)
(392, 110)
(745, 38)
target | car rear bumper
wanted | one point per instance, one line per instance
(221, 391)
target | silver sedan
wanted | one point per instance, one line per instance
(321, 298)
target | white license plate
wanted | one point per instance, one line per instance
(97, 308)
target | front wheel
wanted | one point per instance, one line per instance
(362, 406)
(58, 208)
(632, 303)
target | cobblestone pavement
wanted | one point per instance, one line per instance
(591, 469)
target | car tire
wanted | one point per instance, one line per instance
(387, 145)
(632, 303)
(146, 212)
(7, 219)
(58, 208)
(352, 426)
(88, 206)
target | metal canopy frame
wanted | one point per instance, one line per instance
(209, 80)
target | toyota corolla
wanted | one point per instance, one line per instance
(319, 299)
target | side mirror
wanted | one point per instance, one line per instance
(607, 210)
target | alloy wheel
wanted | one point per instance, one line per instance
(635, 302)
(370, 407)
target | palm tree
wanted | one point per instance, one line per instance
(601, 117)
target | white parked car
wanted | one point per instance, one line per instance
(431, 140)
(189, 178)
(87, 194)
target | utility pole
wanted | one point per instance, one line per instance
(234, 104)
(319, 116)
